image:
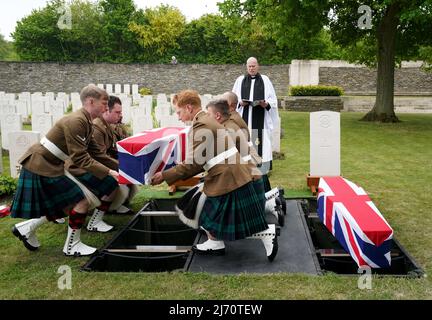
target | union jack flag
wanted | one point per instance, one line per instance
(350, 215)
(151, 151)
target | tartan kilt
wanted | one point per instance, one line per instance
(236, 215)
(99, 187)
(266, 182)
(37, 196)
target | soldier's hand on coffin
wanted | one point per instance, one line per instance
(114, 174)
(157, 179)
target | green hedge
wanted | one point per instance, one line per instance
(8, 185)
(316, 91)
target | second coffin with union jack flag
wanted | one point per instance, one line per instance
(350, 215)
(150, 151)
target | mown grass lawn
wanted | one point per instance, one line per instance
(392, 162)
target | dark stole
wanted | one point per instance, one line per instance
(258, 113)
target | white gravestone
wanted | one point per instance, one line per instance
(42, 123)
(127, 89)
(25, 96)
(117, 88)
(161, 99)
(204, 101)
(141, 123)
(76, 101)
(62, 96)
(7, 108)
(100, 85)
(20, 141)
(135, 89)
(22, 108)
(37, 107)
(126, 110)
(57, 110)
(8, 98)
(109, 88)
(9, 123)
(49, 98)
(276, 135)
(325, 143)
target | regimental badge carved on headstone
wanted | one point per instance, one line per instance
(324, 143)
(19, 142)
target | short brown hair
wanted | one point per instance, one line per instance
(186, 97)
(92, 91)
(221, 106)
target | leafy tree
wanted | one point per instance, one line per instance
(275, 42)
(7, 52)
(39, 38)
(119, 42)
(397, 32)
(159, 32)
(203, 41)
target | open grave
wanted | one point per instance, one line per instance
(155, 240)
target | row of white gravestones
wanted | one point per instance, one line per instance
(119, 88)
(21, 141)
(1, 160)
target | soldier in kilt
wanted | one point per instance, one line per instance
(106, 136)
(44, 191)
(233, 210)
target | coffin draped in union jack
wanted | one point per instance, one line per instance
(350, 215)
(150, 151)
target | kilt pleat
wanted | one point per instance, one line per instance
(235, 215)
(100, 187)
(37, 196)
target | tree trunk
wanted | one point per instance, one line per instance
(383, 109)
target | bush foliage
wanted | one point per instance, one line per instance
(315, 91)
(8, 185)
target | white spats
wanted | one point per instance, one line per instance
(270, 241)
(26, 232)
(273, 206)
(97, 224)
(73, 245)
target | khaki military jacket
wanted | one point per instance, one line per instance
(106, 140)
(239, 137)
(238, 120)
(73, 135)
(222, 178)
(120, 131)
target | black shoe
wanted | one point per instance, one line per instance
(217, 252)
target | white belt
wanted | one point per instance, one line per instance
(51, 147)
(247, 158)
(93, 201)
(219, 158)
